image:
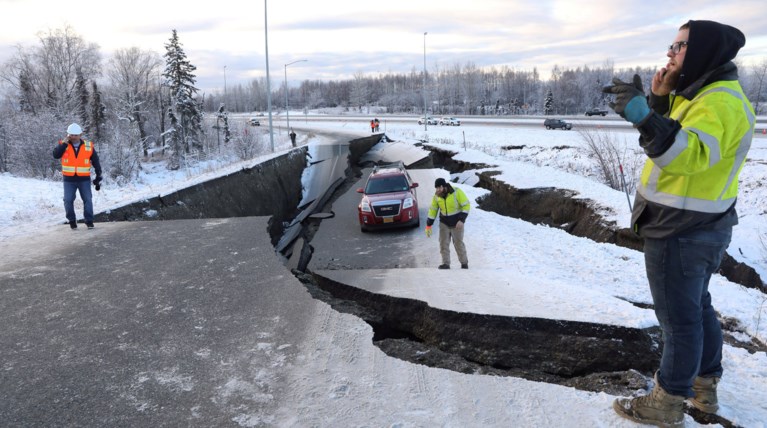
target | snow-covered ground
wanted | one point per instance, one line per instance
(578, 269)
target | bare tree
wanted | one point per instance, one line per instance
(757, 85)
(359, 95)
(617, 166)
(131, 74)
(46, 76)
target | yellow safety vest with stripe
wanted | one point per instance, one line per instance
(77, 165)
(449, 207)
(699, 171)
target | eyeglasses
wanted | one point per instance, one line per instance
(677, 46)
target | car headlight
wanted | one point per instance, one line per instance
(365, 206)
(407, 203)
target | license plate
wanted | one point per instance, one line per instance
(388, 220)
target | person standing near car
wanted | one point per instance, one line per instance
(696, 131)
(292, 137)
(78, 156)
(453, 207)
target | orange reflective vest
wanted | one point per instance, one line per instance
(77, 165)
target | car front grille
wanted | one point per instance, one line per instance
(386, 208)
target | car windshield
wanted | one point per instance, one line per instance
(396, 183)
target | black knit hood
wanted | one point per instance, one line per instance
(710, 45)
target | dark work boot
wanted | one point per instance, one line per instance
(705, 394)
(89, 224)
(443, 267)
(657, 408)
(73, 224)
(464, 265)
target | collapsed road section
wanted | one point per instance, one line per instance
(586, 355)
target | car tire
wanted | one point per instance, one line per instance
(548, 127)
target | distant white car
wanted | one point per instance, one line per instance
(254, 122)
(429, 120)
(450, 121)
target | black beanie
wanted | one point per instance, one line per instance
(711, 45)
(440, 182)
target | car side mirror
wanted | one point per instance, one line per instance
(414, 185)
(360, 190)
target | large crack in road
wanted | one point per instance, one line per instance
(587, 356)
(593, 357)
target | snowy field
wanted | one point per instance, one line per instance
(502, 248)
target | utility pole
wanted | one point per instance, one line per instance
(268, 86)
(425, 118)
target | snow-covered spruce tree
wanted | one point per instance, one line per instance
(180, 79)
(548, 103)
(223, 116)
(82, 95)
(98, 115)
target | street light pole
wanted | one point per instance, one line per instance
(425, 118)
(225, 86)
(287, 110)
(268, 86)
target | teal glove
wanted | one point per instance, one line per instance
(428, 231)
(630, 100)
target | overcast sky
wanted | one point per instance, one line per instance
(339, 38)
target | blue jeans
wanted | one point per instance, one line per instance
(70, 189)
(678, 270)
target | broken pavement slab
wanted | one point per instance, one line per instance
(186, 322)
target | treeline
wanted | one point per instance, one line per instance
(146, 106)
(464, 90)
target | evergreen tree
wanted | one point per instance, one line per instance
(82, 106)
(548, 103)
(187, 113)
(174, 142)
(220, 116)
(26, 97)
(98, 114)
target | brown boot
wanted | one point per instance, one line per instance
(705, 394)
(658, 408)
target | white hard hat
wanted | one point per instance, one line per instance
(74, 129)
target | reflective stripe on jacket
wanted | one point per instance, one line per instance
(452, 208)
(79, 164)
(699, 171)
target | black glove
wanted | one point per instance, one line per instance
(630, 100)
(97, 183)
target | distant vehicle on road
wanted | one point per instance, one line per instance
(429, 120)
(388, 199)
(557, 123)
(596, 111)
(254, 122)
(451, 121)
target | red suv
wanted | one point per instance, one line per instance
(389, 199)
